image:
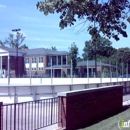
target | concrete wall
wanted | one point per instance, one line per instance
(78, 109)
(20, 89)
(59, 81)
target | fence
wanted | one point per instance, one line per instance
(29, 115)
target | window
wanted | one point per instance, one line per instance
(33, 68)
(26, 60)
(33, 60)
(64, 60)
(68, 71)
(49, 61)
(53, 60)
(40, 59)
(40, 68)
(27, 69)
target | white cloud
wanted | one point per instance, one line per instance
(2, 6)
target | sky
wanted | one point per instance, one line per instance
(43, 31)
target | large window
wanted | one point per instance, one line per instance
(40, 68)
(33, 60)
(34, 68)
(26, 60)
(68, 71)
(54, 60)
(64, 60)
(40, 59)
(27, 69)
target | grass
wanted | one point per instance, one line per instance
(112, 122)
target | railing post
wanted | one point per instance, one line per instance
(1, 115)
(52, 103)
(14, 116)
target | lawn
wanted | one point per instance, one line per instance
(112, 122)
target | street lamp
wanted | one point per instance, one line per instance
(17, 31)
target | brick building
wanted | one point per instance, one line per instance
(34, 61)
(41, 62)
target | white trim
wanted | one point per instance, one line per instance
(11, 54)
(76, 92)
(2, 50)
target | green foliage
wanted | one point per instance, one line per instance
(122, 55)
(53, 48)
(24, 46)
(109, 17)
(14, 42)
(73, 53)
(105, 73)
(103, 49)
(79, 59)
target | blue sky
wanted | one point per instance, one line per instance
(42, 31)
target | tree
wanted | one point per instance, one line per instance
(53, 48)
(73, 53)
(103, 49)
(13, 42)
(121, 57)
(79, 59)
(105, 73)
(24, 46)
(110, 17)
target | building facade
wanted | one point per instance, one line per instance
(41, 62)
(32, 62)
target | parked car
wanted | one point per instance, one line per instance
(124, 76)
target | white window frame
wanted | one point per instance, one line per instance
(33, 61)
(40, 68)
(34, 68)
(41, 61)
(27, 60)
(27, 69)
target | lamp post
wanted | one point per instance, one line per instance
(17, 45)
(95, 46)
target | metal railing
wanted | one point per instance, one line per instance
(29, 115)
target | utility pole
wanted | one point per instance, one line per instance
(17, 46)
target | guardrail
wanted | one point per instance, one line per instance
(30, 115)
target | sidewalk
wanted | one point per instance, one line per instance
(52, 127)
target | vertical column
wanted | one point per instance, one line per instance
(8, 70)
(110, 72)
(117, 71)
(61, 60)
(34, 93)
(0, 62)
(1, 115)
(57, 60)
(127, 71)
(1, 65)
(92, 72)
(15, 95)
(66, 60)
(101, 72)
(53, 73)
(61, 72)
(51, 70)
(30, 68)
(61, 64)
(122, 70)
(71, 72)
(87, 71)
